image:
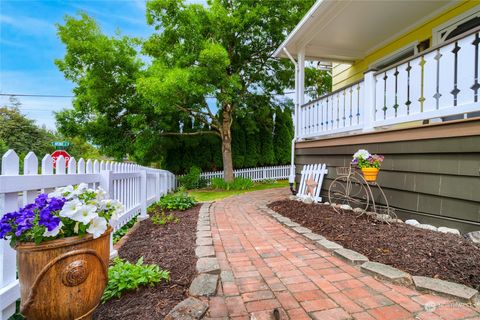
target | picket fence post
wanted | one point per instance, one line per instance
(143, 196)
(106, 184)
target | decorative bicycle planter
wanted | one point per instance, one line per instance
(352, 189)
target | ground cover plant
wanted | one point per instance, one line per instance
(179, 200)
(125, 276)
(239, 183)
(417, 251)
(158, 246)
(204, 195)
(161, 218)
(117, 235)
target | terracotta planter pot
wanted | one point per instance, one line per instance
(64, 278)
(370, 174)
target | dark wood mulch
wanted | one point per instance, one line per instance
(172, 247)
(417, 251)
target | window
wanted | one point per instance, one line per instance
(395, 57)
(456, 26)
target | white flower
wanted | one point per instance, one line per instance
(54, 232)
(70, 208)
(80, 189)
(97, 227)
(361, 154)
(85, 213)
(61, 192)
(100, 194)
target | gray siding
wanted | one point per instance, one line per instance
(435, 181)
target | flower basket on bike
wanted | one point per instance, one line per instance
(368, 163)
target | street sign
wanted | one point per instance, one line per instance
(56, 154)
(60, 143)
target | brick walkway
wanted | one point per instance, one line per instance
(266, 266)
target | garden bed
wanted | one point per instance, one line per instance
(172, 247)
(416, 251)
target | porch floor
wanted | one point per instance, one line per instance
(266, 266)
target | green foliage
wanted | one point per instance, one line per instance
(125, 276)
(177, 201)
(117, 235)
(283, 135)
(238, 183)
(192, 179)
(162, 218)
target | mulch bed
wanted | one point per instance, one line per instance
(417, 251)
(172, 247)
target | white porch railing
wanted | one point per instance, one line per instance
(438, 83)
(256, 174)
(133, 185)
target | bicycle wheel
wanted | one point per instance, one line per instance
(350, 191)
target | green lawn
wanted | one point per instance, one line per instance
(203, 195)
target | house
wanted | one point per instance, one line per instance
(405, 85)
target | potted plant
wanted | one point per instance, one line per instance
(368, 163)
(63, 247)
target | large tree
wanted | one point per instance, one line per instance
(221, 50)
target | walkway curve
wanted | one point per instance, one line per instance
(265, 266)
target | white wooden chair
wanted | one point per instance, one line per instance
(311, 181)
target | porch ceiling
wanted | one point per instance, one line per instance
(349, 30)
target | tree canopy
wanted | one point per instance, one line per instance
(221, 50)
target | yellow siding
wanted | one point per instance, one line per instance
(344, 74)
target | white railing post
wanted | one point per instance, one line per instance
(158, 188)
(143, 195)
(369, 101)
(106, 184)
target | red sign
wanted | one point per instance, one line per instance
(56, 154)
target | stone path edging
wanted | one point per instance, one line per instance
(208, 269)
(380, 270)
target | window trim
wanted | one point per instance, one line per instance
(452, 24)
(394, 55)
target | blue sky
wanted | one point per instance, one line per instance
(29, 46)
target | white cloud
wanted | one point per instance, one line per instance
(28, 25)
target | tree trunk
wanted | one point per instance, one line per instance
(226, 134)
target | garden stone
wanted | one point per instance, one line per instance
(329, 245)
(326, 203)
(308, 200)
(313, 236)
(473, 236)
(204, 251)
(204, 234)
(426, 227)
(358, 210)
(203, 228)
(444, 287)
(386, 272)
(302, 230)
(291, 224)
(208, 265)
(189, 309)
(204, 285)
(284, 219)
(345, 207)
(412, 222)
(350, 256)
(292, 197)
(449, 230)
(204, 242)
(227, 276)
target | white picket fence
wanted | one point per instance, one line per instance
(256, 174)
(136, 187)
(316, 172)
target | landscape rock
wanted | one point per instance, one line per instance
(204, 251)
(358, 210)
(291, 224)
(446, 288)
(329, 245)
(473, 236)
(302, 230)
(188, 309)
(204, 285)
(204, 242)
(427, 227)
(449, 230)
(386, 272)
(412, 222)
(350, 256)
(204, 234)
(326, 203)
(313, 236)
(345, 207)
(307, 200)
(292, 197)
(208, 265)
(203, 228)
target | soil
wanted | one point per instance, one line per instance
(172, 247)
(416, 251)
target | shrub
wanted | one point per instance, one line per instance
(193, 180)
(117, 235)
(238, 183)
(177, 201)
(124, 276)
(162, 218)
